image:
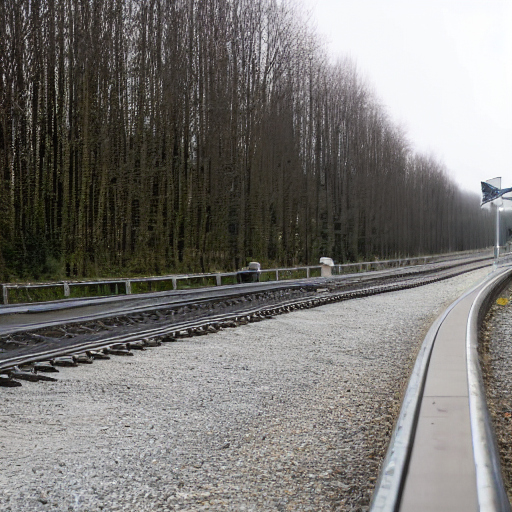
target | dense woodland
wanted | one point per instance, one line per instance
(159, 136)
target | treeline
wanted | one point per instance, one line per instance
(156, 136)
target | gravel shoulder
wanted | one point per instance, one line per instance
(293, 413)
(495, 349)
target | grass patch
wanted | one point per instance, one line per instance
(158, 285)
(285, 275)
(267, 275)
(228, 280)
(83, 290)
(196, 282)
(315, 272)
(28, 294)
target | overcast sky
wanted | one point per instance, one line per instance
(441, 68)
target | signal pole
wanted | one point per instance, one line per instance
(494, 194)
(497, 244)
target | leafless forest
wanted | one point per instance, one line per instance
(158, 136)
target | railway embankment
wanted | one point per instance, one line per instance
(293, 413)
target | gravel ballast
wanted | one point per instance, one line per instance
(495, 349)
(288, 414)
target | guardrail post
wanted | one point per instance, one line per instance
(128, 287)
(307, 272)
(219, 280)
(67, 291)
(5, 294)
(277, 275)
(174, 284)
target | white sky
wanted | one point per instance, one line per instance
(441, 68)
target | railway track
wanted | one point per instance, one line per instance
(144, 326)
(74, 332)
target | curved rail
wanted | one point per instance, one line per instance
(427, 462)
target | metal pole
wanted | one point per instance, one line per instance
(497, 247)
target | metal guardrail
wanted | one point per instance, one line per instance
(31, 293)
(491, 491)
